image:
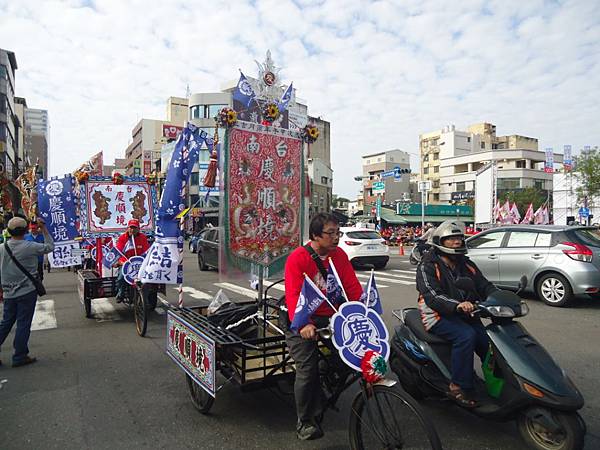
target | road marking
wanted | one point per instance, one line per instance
(195, 293)
(405, 271)
(238, 289)
(397, 275)
(387, 280)
(44, 317)
(104, 310)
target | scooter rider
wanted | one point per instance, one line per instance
(447, 311)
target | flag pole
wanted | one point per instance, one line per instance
(369, 287)
(337, 277)
(319, 291)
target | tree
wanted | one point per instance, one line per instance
(587, 174)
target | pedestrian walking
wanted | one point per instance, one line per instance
(20, 283)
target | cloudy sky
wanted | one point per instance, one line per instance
(381, 72)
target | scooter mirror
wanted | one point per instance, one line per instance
(465, 284)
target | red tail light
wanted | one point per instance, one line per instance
(578, 252)
(351, 243)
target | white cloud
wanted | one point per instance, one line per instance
(381, 72)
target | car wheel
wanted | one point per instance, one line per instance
(201, 264)
(554, 290)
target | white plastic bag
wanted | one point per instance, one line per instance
(219, 300)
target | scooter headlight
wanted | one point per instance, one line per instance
(524, 309)
(501, 311)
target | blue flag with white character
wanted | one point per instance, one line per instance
(371, 296)
(285, 99)
(309, 300)
(243, 92)
(335, 290)
(162, 262)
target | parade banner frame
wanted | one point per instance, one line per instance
(89, 230)
(272, 262)
(206, 381)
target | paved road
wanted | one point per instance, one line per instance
(99, 386)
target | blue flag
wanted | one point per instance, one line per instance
(335, 291)
(371, 296)
(285, 99)
(243, 92)
(110, 256)
(309, 300)
(162, 262)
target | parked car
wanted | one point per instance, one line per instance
(560, 262)
(364, 246)
(208, 249)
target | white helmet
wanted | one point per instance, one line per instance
(445, 230)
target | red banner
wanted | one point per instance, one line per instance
(171, 131)
(264, 186)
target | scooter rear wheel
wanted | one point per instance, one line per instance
(569, 437)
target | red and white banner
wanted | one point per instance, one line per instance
(171, 131)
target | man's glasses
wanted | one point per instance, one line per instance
(333, 233)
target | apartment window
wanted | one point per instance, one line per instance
(436, 169)
(461, 186)
(195, 112)
(538, 184)
(368, 161)
(468, 138)
(426, 158)
(483, 145)
(378, 159)
(509, 183)
(323, 180)
(436, 156)
(426, 170)
(194, 179)
(213, 110)
(436, 197)
(3, 72)
(522, 164)
(435, 184)
(494, 146)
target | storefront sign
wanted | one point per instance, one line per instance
(462, 195)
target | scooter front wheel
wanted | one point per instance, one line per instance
(552, 430)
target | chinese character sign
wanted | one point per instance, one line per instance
(162, 264)
(107, 207)
(357, 329)
(567, 158)
(549, 164)
(263, 181)
(56, 203)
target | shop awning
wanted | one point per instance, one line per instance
(435, 219)
(392, 218)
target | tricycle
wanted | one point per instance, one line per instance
(142, 298)
(382, 415)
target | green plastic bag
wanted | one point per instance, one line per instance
(493, 383)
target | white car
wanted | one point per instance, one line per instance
(364, 246)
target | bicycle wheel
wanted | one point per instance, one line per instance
(385, 417)
(140, 312)
(201, 399)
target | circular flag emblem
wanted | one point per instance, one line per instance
(131, 268)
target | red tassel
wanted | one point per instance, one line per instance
(211, 173)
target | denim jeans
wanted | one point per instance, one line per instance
(20, 310)
(121, 285)
(467, 336)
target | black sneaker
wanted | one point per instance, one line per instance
(119, 299)
(24, 362)
(308, 431)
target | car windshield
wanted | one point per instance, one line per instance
(589, 236)
(363, 235)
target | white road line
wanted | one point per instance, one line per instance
(387, 280)
(44, 317)
(103, 310)
(238, 289)
(195, 293)
(397, 275)
(405, 271)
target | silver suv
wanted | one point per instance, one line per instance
(560, 262)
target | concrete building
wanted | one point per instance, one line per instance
(375, 167)
(449, 143)
(37, 138)
(149, 135)
(9, 123)
(22, 156)
(516, 169)
(320, 173)
(565, 201)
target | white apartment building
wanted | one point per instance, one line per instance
(375, 167)
(516, 169)
(565, 205)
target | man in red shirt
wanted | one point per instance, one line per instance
(324, 234)
(131, 243)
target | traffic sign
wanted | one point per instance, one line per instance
(424, 186)
(584, 212)
(378, 207)
(378, 186)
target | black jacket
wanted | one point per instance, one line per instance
(439, 295)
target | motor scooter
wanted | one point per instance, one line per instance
(416, 254)
(520, 379)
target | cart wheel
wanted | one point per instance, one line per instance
(140, 312)
(87, 303)
(201, 399)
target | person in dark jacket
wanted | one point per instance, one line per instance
(447, 311)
